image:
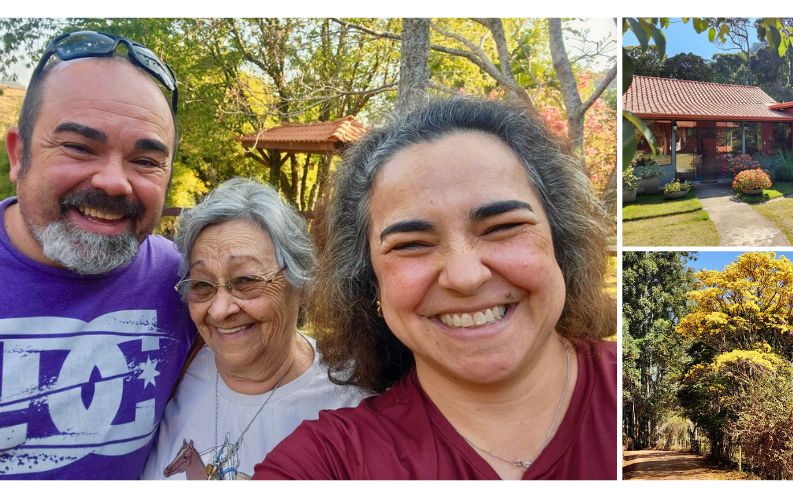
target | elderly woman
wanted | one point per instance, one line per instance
(247, 259)
(464, 277)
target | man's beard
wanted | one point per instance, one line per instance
(85, 252)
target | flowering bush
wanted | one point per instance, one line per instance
(751, 179)
(676, 186)
(739, 163)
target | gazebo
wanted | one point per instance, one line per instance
(697, 123)
(273, 146)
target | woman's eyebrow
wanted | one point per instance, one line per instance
(499, 207)
(407, 226)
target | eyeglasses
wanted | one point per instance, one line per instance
(244, 287)
(83, 44)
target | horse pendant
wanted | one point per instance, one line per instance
(212, 472)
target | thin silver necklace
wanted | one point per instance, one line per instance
(523, 462)
(226, 454)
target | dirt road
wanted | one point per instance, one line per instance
(658, 465)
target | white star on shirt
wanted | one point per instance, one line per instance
(148, 371)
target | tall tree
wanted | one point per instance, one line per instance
(654, 291)
(740, 323)
(414, 73)
(736, 36)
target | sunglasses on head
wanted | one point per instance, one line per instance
(83, 44)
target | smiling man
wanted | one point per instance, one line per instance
(92, 334)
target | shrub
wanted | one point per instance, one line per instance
(783, 165)
(643, 162)
(751, 179)
(646, 171)
(676, 186)
(629, 181)
(739, 163)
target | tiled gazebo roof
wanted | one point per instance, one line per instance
(654, 98)
(310, 137)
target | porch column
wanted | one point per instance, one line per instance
(673, 147)
(743, 137)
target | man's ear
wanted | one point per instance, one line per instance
(15, 148)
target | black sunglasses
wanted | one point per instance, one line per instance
(83, 44)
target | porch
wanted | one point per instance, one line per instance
(697, 125)
(698, 149)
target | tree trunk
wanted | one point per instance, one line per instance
(414, 72)
(575, 108)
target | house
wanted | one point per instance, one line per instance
(696, 123)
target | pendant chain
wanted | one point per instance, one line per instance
(525, 463)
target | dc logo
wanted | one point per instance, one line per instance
(71, 388)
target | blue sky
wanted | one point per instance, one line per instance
(682, 38)
(717, 260)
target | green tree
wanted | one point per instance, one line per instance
(645, 62)
(728, 68)
(686, 66)
(734, 33)
(654, 291)
(238, 76)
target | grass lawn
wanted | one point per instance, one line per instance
(649, 206)
(653, 221)
(779, 190)
(686, 229)
(780, 213)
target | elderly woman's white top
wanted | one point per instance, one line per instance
(190, 415)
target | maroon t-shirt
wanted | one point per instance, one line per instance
(401, 434)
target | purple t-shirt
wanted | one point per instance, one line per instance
(87, 363)
(401, 434)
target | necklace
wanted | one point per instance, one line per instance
(226, 461)
(525, 463)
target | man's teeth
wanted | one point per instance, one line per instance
(479, 318)
(99, 214)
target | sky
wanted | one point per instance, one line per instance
(682, 38)
(717, 260)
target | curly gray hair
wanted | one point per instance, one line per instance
(345, 289)
(240, 198)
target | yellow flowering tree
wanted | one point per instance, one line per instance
(739, 387)
(749, 302)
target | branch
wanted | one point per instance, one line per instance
(476, 54)
(392, 36)
(379, 34)
(601, 87)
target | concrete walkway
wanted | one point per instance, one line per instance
(737, 223)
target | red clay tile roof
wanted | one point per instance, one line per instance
(653, 97)
(343, 130)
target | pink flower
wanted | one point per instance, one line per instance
(751, 179)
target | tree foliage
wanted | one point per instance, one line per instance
(654, 298)
(238, 76)
(739, 384)
(748, 303)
